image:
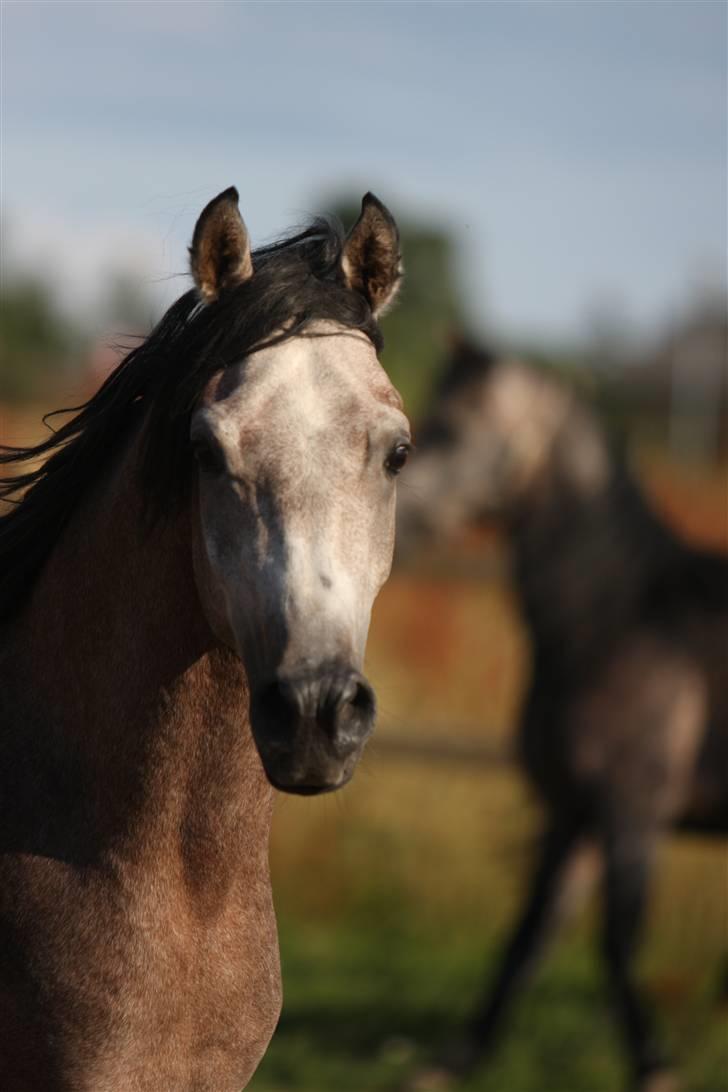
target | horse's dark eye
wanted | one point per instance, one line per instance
(208, 458)
(397, 458)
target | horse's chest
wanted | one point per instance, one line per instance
(142, 993)
(200, 1007)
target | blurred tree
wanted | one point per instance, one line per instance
(428, 309)
(125, 307)
(36, 342)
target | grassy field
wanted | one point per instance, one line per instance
(366, 1007)
(392, 902)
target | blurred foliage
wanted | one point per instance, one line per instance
(427, 310)
(39, 344)
(35, 339)
(125, 306)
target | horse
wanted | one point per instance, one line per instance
(186, 580)
(624, 726)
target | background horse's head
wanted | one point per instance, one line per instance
(496, 432)
(297, 446)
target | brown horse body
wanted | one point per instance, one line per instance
(139, 941)
(177, 635)
(624, 728)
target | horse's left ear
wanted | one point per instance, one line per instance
(371, 260)
(220, 253)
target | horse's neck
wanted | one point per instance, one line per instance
(584, 542)
(130, 707)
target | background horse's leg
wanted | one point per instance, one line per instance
(541, 912)
(628, 852)
(558, 851)
(552, 890)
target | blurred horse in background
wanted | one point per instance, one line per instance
(624, 729)
(186, 580)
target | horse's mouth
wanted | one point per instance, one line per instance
(310, 728)
(309, 769)
(300, 788)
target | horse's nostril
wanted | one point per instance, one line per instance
(352, 694)
(349, 691)
(353, 716)
(360, 695)
(291, 694)
(342, 703)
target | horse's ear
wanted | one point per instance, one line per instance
(220, 253)
(371, 259)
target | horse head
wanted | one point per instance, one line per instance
(298, 445)
(497, 432)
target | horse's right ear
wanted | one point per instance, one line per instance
(371, 260)
(220, 254)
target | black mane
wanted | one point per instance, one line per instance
(297, 281)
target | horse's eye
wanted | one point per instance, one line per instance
(397, 458)
(208, 457)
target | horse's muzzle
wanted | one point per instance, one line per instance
(310, 728)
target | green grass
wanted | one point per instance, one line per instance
(393, 899)
(366, 1006)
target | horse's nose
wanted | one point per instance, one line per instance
(341, 702)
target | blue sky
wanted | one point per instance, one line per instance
(577, 150)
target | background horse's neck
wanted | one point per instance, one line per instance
(138, 729)
(585, 543)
